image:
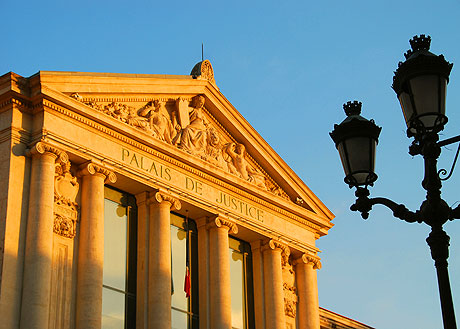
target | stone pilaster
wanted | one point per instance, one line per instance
(307, 290)
(91, 245)
(159, 284)
(39, 236)
(219, 276)
(273, 284)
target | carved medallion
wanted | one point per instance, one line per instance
(204, 71)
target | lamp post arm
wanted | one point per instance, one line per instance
(449, 141)
(455, 213)
(364, 204)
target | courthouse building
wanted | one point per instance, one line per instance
(148, 202)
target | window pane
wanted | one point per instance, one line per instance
(178, 249)
(179, 320)
(237, 288)
(113, 309)
(115, 229)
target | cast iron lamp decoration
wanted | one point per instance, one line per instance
(420, 84)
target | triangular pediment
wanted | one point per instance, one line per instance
(190, 115)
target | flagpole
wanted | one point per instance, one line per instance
(187, 258)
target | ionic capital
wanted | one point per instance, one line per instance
(90, 168)
(277, 245)
(160, 197)
(219, 222)
(41, 148)
(309, 260)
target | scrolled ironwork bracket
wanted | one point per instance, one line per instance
(364, 204)
(443, 172)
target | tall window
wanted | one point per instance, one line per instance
(184, 311)
(120, 250)
(241, 284)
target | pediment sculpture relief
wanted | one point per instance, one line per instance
(187, 125)
(159, 121)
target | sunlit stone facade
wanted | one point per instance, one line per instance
(113, 184)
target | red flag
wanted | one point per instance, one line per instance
(187, 260)
(187, 282)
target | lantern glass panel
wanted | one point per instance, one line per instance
(426, 91)
(406, 106)
(358, 158)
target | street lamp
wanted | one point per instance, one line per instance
(420, 85)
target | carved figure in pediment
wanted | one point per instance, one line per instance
(193, 137)
(159, 120)
(238, 165)
(214, 149)
(134, 120)
(276, 190)
(89, 103)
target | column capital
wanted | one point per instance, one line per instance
(276, 245)
(162, 196)
(220, 221)
(41, 148)
(309, 260)
(91, 168)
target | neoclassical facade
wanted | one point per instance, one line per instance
(149, 202)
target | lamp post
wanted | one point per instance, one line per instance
(420, 85)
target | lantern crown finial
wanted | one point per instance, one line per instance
(418, 43)
(352, 108)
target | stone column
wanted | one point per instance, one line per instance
(219, 273)
(39, 237)
(91, 245)
(307, 290)
(273, 285)
(159, 285)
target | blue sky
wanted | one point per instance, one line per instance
(288, 66)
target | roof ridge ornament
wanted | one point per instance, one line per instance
(203, 71)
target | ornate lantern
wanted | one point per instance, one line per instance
(356, 139)
(420, 84)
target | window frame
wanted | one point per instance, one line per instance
(179, 221)
(127, 201)
(248, 282)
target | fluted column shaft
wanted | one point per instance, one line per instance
(219, 276)
(91, 246)
(159, 290)
(273, 286)
(307, 290)
(39, 237)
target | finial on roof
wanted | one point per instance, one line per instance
(203, 70)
